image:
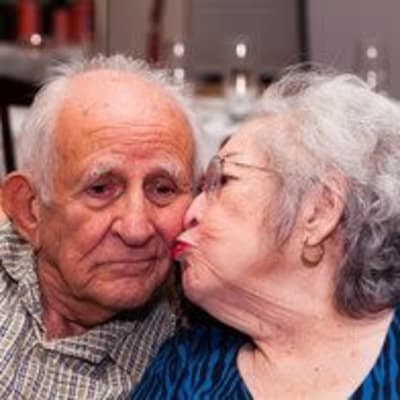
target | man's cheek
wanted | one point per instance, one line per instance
(172, 225)
(181, 207)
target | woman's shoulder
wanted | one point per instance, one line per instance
(383, 379)
(212, 332)
(201, 342)
(196, 360)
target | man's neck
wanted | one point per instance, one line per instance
(63, 314)
(58, 327)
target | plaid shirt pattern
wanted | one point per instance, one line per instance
(104, 363)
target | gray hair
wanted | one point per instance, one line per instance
(342, 125)
(37, 147)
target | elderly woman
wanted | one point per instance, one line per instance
(295, 242)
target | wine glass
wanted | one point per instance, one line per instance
(240, 81)
(174, 60)
(372, 63)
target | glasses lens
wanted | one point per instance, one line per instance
(213, 176)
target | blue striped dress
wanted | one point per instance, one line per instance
(200, 364)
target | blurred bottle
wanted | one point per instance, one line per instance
(61, 25)
(81, 21)
(154, 38)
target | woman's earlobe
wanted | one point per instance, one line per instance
(325, 209)
(20, 203)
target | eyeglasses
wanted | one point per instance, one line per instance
(214, 176)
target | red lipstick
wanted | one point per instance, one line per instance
(178, 249)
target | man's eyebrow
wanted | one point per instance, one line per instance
(172, 168)
(98, 170)
(169, 167)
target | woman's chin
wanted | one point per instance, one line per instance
(193, 286)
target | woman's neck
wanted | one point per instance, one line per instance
(277, 311)
(313, 357)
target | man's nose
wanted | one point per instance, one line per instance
(135, 222)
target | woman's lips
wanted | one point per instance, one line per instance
(178, 249)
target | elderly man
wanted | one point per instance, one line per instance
(106, 177)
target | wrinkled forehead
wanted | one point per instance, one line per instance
(121, 94)
(99, 103)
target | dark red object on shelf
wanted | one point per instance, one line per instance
(154, 35)
(28, 19)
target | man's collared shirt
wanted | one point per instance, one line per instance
(104, 363)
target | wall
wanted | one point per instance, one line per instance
(272, 27)
(206, 25)
(335, 28)
(122, 25)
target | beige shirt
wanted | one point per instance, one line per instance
(104, 363)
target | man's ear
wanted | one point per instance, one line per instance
(21, 204)
(323, 208)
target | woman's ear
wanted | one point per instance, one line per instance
(20, 203)
(323, 208)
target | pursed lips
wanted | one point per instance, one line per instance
(179, 249)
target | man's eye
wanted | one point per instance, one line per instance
(98, 190)
(161, 191)
(102, 190)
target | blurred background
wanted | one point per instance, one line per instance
(226, 51)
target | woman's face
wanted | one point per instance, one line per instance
(229, 244)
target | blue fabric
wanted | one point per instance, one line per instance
(201, 364)
(383, 381)
(196, 364)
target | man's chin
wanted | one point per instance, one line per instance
(120, 291)
(128, 303)
(126, 295)
(125, 269)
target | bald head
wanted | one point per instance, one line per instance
(103, 107)
(121, 94)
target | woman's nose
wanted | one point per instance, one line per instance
(195, 211)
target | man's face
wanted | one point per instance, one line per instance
(122, 182)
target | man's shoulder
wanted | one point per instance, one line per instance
(16, 264)
(15, 253)
(11, 242)
(14, 325)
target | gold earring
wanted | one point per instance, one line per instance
(312, 255)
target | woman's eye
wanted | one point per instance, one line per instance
(224, 180)
(201, 184)
(206, 184)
